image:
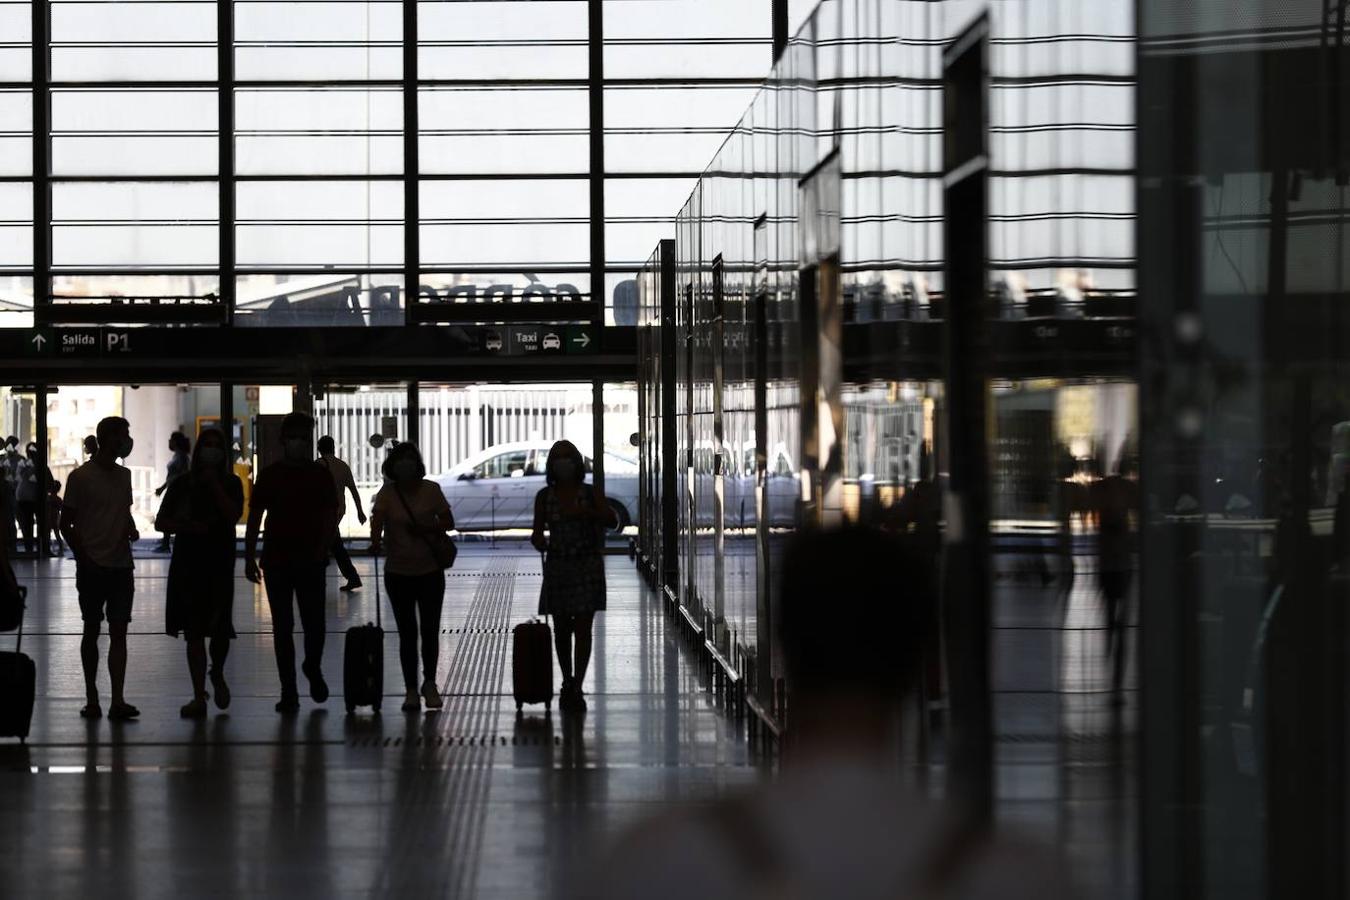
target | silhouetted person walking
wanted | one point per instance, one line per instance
(575, 516)
(408, 512)
(180, 447)
(10, 460)
(343, 483)
(297, 497)
(97, 524)
(1116, 498)
(28, 493)
(839, 821)
(201, 510)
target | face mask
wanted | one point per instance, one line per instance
(405, 470)
(32, 453)
(564, 470)
(296, 449)
(211, 456)
(125, 449)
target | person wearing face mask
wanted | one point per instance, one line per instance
(296, 496)
(200, 510)
(97, 525)
(575, 516)
(32, 474)
(408, 511)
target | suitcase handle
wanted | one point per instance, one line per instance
(23, 611)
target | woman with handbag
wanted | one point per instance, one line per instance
(410, 519)
(575, 515)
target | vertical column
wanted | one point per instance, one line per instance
(966, 553)
(670, 496)
(596, 75)
(44, 526)
(413, 431)
(42, 184)
(779, 12)
(225, 166)
(227, 414)
(598, 434)
(412, 238)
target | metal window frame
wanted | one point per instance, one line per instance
(226, 84)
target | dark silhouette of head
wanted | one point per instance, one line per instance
(297, 424)
(90, 444)
(179, 443)
(564, 452)
(211, 452)
(326, 445)
(394, 463)
(850, 623)
(114, 436)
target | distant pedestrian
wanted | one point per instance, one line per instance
(180, 447)
(574, 515)
(296, 496)
(1116, 500)
(408, 514)
(201, 510)
(28, 494)
(343, 483)
(90, 445)
(97, 524)
(56, 545)
(10, 459)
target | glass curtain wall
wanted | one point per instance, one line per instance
(321, 162)
(1243, 248)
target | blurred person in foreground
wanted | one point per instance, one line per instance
(838, 823)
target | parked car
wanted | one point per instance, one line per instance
(495, 488)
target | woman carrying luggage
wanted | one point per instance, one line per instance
(409, 515)
(575, 515)
(202, 509)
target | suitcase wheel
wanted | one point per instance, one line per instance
(375, 708)
(548, 706)
(519, 706)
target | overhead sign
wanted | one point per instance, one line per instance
(538, 340)
(83, 342)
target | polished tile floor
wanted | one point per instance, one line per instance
(471, 801)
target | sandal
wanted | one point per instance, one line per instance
(123, 712)
(91, 711)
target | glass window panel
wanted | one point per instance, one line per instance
(16, 35)
(638, 213)
(134, 284)
(541, 39)
(133, 41)
(669, 129)
(134, 132)
(508, 131)
(16, 225)
(335, 41)
(326, 299)
(16, 133)
(120, 224)
(485, 223)
(16, 301)
(678, 19)
(319, 224)
(292, 131)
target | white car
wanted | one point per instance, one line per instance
(495, 488)
(552, 342)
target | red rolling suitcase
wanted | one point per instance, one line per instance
(532, 663)
(18, 681)
(363, 660)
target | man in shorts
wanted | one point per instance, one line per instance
(97, 525)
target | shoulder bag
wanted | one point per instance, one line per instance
(443, 549)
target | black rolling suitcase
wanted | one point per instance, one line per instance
(18, 681)
(532, 663)
(363, 660)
